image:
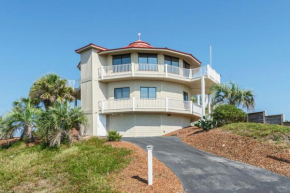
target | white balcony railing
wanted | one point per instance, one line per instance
(149, 105)
(157, 70)
(73, 83)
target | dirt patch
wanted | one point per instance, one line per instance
(7, 142)
(235, 147)
(134, 177)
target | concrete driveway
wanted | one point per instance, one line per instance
(204, 172)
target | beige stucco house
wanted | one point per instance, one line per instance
(141, 90)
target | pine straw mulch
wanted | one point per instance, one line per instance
(223, 143)
(134, 177)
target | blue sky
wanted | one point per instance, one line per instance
(250, 40)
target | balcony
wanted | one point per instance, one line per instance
(149, 105)
(75, 84)
(157, 71)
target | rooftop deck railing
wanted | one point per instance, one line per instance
(157, 70)
(149, 105)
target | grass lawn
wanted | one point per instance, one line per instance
(276, 133)
(84, 167)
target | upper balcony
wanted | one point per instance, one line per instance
(157, 71)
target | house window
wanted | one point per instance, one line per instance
(121, 59)
(185, 96)
(147, 62)
(122, 93)
(147, 58)
(186, 70)
(173, 64)
(171, 61)
(186, 65)
(148, 92)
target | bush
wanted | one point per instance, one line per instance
(206, 123)
(227, 114)
(114, 136)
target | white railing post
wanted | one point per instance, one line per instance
(166, 75)
(191, 107)
(102, 72)
(150, 164)
(209, 104)
(208, 70)
(133, 69)
(102, 106)
(133, 103)
(202, 96)
(166, 104)
(190, 73)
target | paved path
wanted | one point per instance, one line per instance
(203, 172)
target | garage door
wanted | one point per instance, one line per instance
(124, 124)
(147, 125)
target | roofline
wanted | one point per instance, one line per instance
(91, 45)
(152, 48)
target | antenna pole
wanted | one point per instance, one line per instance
(210, 56)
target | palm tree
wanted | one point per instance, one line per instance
(58, 121)
(50, 88)
(22, 118)
(231, 93)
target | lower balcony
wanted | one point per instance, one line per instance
(149, 105)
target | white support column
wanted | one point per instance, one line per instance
(150, 164)
(202, 96)
(191, 107)
(133, 103)
(133, 69)
(166, 74)
(209, 104)
(102, 106)
(198, 99)
(166, 104)
(102, 72)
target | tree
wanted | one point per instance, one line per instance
(22, 118)
(49, 89)
(58, 121)
(231, 93)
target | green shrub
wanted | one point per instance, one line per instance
(114, 136)
(206, 123)
(227, 114)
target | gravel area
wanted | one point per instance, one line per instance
(235, 147)
(134, 177)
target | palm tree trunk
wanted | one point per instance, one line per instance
(29, 134)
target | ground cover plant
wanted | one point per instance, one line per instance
(84, 167)
(275, 133)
